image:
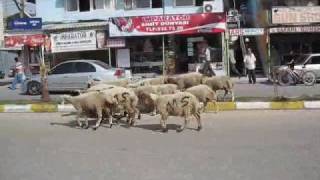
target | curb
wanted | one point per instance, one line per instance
(223, 106)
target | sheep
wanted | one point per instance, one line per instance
(118, 82)
(127, 100)
(220, 83)
(204, 94)
(147, 82)
(92, 104)
(185, 81)
(100, 87)
(180, 104)
(145, 104)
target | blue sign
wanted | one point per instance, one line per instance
(26, 23)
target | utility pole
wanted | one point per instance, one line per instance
(163, 46)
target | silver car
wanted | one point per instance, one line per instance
(73, 75)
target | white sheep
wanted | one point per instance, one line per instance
(145, 104)
(92, 104)
(119, 82)
(127, 101)
(185, 81)
(181, 104)
(204, 94)
(220, 83)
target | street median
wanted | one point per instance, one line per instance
(223, 106)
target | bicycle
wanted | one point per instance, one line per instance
(288, 77)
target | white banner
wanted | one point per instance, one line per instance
(295, 29)
(246, 32)
(295, 15)
(73, 41)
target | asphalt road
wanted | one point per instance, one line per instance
(234, 145)
(262, 90)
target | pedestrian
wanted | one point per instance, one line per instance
(19, 74)
(207, 68)
(233, 63)
(250, 63)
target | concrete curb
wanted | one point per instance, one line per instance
(223, 106)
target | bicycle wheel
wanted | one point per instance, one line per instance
(309, 78)
(284, 78)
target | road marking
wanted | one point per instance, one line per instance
(312, 104)
(66, 108)
(287, 105)
(252, 105)
(17, 108)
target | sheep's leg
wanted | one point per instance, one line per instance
(163, 123)
(78, 119)
(198, 117)
(182, 127)
(99, 112)
(225, 94)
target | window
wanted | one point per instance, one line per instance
(82, 67)
(142, 3)
(184, 2)
(108, 3)
(63, 69)
(72, 5)
(98, 4)
(315, 60)
(157, 3)
(84, 5)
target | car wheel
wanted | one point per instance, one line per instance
(309, 78)
(34, 88)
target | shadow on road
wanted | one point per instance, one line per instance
(156, 127)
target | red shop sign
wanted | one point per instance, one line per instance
(168, 24)
(20, 40)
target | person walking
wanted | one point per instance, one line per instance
(250, 63)
(207, 69)
(19, 74)
(233, 63)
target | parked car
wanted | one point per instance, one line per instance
(73, 75)
(304, 62)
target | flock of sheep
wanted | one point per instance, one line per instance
(183, 95)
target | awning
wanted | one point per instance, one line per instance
(52, 27)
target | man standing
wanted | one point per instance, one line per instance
(250, 62)
(207, 69)
(19, 74)
(233, 63)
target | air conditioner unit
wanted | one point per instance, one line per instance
(214, 6)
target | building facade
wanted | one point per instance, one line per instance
(141, 53)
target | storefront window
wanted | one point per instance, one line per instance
(184, 2)
(142, 3)
(108, 3)
(72, 5)
(98, 4)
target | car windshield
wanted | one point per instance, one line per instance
(102, 64)
(301, 59)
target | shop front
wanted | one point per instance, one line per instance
(173, 43)
(294, 31)
(28, 48)
(289, 42)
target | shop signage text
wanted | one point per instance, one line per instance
(168, 24)
(246, 32)
(73, 41)
(16, 41)
(295, 15)
(26, 23)
(115, 43)
(296, 29)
